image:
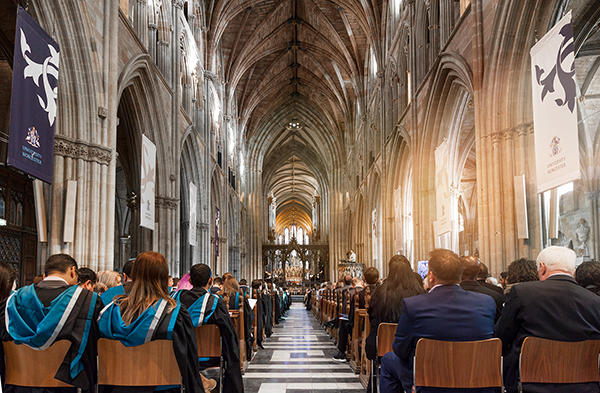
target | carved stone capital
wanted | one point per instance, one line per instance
(79, 150)
(167, 203)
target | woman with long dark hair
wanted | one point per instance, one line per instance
(386, 302)
(129, 318)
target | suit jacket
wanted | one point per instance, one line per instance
(557, 309)
(448, 313)
(493, 287)
(475, 286)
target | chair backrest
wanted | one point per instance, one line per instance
(549, 361)
(453, 364)
(30, 368)
(151, 364)
(209, 341)
(385, 337)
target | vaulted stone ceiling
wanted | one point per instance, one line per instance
(293, 62)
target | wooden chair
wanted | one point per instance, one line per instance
(550, 361)
(452, 364)
(208, 338)
(20, 360)
(237, 317)
(385, 341)
(151, 364)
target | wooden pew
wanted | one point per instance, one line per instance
(358, 330)
(365, 364)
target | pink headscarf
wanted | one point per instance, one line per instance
(185, 283)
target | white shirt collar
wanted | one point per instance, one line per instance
(55, 278)
(560, 274)
(442, 285)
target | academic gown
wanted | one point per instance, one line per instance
(33, 313)
(260, 315)
(267, 301)
(168, 324)
(214, 312)
(235, 303)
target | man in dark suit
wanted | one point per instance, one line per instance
(447, 312)
(555, 308)
(469, 282)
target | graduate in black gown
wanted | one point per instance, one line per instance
(209, 309)
(256, 293)
(52, 310)
(267, 301)
(146, 314)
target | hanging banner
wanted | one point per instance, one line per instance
(33, 102)
(217, 219)
(443, 197)
(193, 203)
(554, 107)
(148, 182)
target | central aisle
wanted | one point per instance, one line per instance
(298, 358)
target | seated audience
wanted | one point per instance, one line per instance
(521, 270)
(554, 308)
(483, 277)
(588, 276)
(35, 313)
(503, 278)
(447, 312)
(371, 276)
(469, 282)
(86, 278)
(147, 310)
(121, 289)
(8, 278)
(206, 308)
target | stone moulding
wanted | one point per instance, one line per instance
(79, 150)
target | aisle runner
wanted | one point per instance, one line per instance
(297, 358)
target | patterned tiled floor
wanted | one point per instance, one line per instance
(297, 358)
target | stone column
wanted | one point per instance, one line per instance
(446, 16)
(140, 20)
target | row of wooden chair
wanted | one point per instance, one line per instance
(478, 364)
(467, 364)
(118, 365)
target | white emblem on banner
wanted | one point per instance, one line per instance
(554, 107)
(35, 70)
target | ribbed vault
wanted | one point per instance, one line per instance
(294, 75)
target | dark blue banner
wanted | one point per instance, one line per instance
(33, 101)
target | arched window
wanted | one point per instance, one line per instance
(12, 212)
(286, 235)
